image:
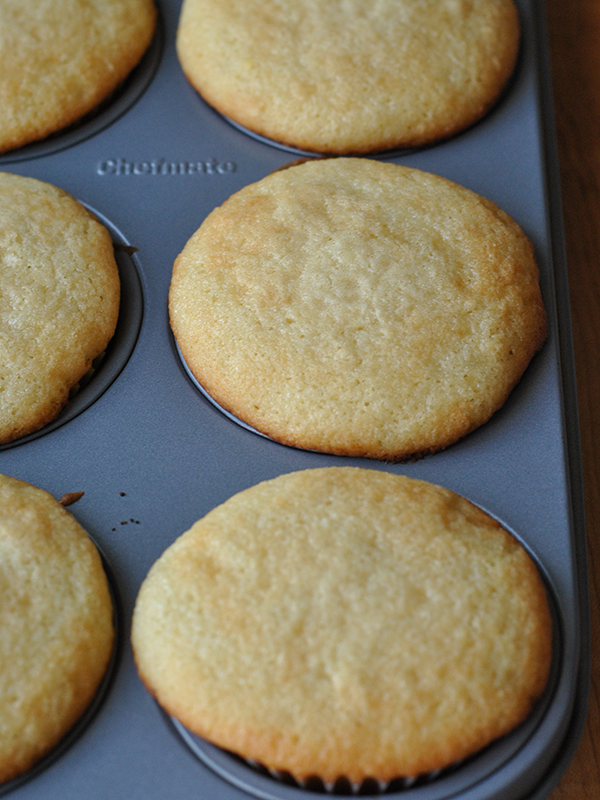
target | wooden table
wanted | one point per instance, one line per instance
(574, 34)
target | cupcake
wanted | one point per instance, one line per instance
(56, 624)
(349, 77)
(344, 622)
(359, 308)
(59, 303)
(59, 60)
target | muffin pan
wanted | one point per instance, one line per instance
(153, 455)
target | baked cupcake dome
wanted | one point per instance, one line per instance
(59, 304)
(357, 307)
(60, 59)
(56, 623)
(349, 77)
(345, 622)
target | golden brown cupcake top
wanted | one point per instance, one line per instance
(352, 76)
(345, 622)
(56, 624)
(61, 58)
(59, 302)
(358, 307)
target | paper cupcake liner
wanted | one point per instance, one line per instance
(343, 785)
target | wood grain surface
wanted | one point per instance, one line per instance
(574, 38)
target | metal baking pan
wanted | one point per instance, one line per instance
(152, 454)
